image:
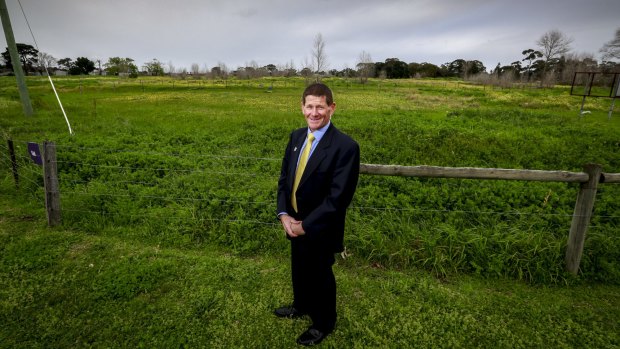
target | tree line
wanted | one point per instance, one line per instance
(552, 59)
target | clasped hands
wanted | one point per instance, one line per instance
(292, 226)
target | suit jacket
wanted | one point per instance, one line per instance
(325, 189)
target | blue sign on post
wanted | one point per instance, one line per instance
(35, 153)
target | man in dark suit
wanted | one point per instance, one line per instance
(318, 178)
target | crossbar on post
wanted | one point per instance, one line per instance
(50, 181)
(610, 178)
(474, 173)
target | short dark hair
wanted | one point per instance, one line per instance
(318, 89)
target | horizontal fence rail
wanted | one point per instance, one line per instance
(477, 173)
(610, 177)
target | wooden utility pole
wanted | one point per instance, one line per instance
(15, 61)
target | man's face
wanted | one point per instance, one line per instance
(317, 112)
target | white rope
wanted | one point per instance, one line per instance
(46, 70)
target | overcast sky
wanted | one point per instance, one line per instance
(237, 32)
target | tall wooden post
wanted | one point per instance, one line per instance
(50, 181)
(15, 61)
(581, 217)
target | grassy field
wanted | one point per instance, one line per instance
(169, 238)
(68, 288)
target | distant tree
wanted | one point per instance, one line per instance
(182, 73)
(65, 63)
(306, 72)
(414, 69)
(224, 70)
(498, 69)
(251, 70)
(98, 61)
(457, 67)
(395, 69)
(379, 69)
(512, 71)
(611, 49)
(271, 68)
(475, 67)
(289, 69)
(571, 63)
(530, 56)
(346, 73)
(365, 67)
(28, 55)
(82, 66)
(538, 68)
(118, 65)
(319, 56)
(171, 68)
(195, 69)
(154, 67)
(46, 61)
(516, 65)
(306, 69)
(609, 67)
(463, 68)
(220, 71)
(429, 70)
(554, 44)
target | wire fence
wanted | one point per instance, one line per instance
(515, 227)
(223, 169)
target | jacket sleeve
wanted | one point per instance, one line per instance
(283, 195)
(343, 183)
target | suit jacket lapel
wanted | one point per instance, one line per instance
(320, 152)
(298, 142)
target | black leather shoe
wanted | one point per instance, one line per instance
(289, 312)
(312, 336)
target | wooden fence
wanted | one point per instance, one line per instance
(589, 179)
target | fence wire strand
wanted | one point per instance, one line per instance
(442, 183)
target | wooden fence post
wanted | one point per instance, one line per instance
(50, 181)
(13, 162)
(581, 217)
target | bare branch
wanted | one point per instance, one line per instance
(319, 55)
(554, 44)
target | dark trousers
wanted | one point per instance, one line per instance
(314, 284)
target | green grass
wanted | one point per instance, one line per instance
(69, 288)
(191, 162)
(169, 237)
